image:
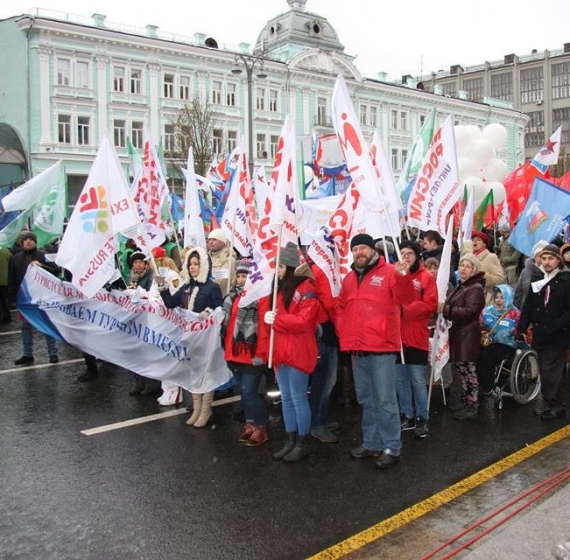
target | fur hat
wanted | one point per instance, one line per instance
(218, 234)
(243, 266)
(553, 250)
(205, 265)
(471, 258)
(289, 256)
(481, 235)
(539, 246)
(362, 239)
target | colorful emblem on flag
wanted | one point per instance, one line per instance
(94, 210)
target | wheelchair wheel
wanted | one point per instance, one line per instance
(525, 377)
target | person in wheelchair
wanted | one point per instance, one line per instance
(498, 322)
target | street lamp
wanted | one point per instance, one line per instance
(249, 63)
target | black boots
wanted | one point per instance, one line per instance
(290, 439)
(298, 452)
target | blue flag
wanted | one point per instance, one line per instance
(177, 207)
(543, 217)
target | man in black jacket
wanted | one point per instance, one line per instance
(547, 307)
(18, 267)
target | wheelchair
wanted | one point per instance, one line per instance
(517, 377)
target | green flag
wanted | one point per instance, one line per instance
(10, 233)
(135, 159)
(485, 213)
(49, 219)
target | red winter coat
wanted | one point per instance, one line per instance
(294, 343)
(417, 314)
(324, 294)
(368, 312)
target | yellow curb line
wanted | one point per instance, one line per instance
(420, 509)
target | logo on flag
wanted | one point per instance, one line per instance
(93, 210)
(536, 216)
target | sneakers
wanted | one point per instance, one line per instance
(408, 424)
(170, 397)
(258, 436)
(387, 460)
(322, 434)
(360, 452)
(246, 432)
(421, 430)
(24, 361)
(53, 359)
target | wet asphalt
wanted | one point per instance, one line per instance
(164, 490)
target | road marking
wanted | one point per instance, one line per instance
(10, 332)
(40, 366)
(420, 509)
(150, 418)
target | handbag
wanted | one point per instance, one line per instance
(486, 339)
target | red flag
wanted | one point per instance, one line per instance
(518, 185)
(563, 182)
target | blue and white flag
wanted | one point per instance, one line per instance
(543, 217)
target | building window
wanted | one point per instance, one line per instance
(403, 158)
(422, 120)
(260, 99)
(169, 138)
(560, 80)
(218, 141)
(83, 131)
(273, 100)
(136, 76)
(474, 88)
(395, 159)
(168, 86)
(261, 146)
(395, 122)
(232, 140)
(403, 120)
(137, 134)
(532, 85)
(118, 79)
(63, 66)
(184, 88)
(534, 135)
(364, 114)
(373, 121)
(81, 74)
(502, 86)
(273, 142)
(231, 95)
(448, 89)
(217, 92)
(322, 111)
(561, 117)
(64, 129)
(119, 133)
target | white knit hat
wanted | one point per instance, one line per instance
(218, 234)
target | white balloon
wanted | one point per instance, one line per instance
(462, 140)
(474, 132)
(481, 152)
(499, 193)
(496, 135)
(495, 170)
(472, 182)
(480, 192)
(466, 167)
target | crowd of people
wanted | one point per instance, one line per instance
(374, 336)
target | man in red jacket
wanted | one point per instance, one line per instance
(368, 324)
(415, 338)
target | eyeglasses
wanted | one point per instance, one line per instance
(407, 254)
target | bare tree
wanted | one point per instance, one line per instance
(194, 126)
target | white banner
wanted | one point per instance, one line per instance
(314, 214)
(142, 336)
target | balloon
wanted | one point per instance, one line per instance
(462, 140)
(496, 135)
(499, 193)
(466, 167)
(480, 191)
(495, 170)
(474, 132)
(481, 152)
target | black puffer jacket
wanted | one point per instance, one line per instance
(19, 265)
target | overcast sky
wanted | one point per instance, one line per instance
(396, 37)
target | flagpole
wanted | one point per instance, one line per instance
(230, 260)
(274, 302)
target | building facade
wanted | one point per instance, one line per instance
(67, 80)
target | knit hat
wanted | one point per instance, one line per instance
(481, 235)
(137, 256)
(539, 246)
(475, 262)
(362, 239)
(28, 235)
(504, 227)
(553, 250)
(379, 246)
(289, 256)
(243, 266)
(564, 248)
(407, 244)
(158, 253)
(218, 234)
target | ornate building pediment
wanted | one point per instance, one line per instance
(317, 60)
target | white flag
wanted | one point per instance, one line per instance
(104, 209)
(260, 188)
(549, 152)
(35, 190)
(436, 189)
(193, 224)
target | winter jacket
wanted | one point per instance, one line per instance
(493, 270)
(508, 255)
(328, 303)
(236, 352)
(294, 342)
(417, 314)
(221, 268)
(501, 323)
(367, 316)
(462, 308)
(19, 265)
(531, 273)
(549, 312)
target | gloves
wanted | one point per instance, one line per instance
(257, 361)
(160, 282)
(204, 314)
(269, 317)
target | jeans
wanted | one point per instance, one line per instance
(252, 402)
(375, 381)
(322, 383)
(293, 385)
(412, 382)
(28, 341)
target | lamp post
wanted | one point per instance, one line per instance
(249, 63)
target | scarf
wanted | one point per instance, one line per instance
(548, 276)
(246, 324)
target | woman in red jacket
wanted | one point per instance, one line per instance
(295, 348)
